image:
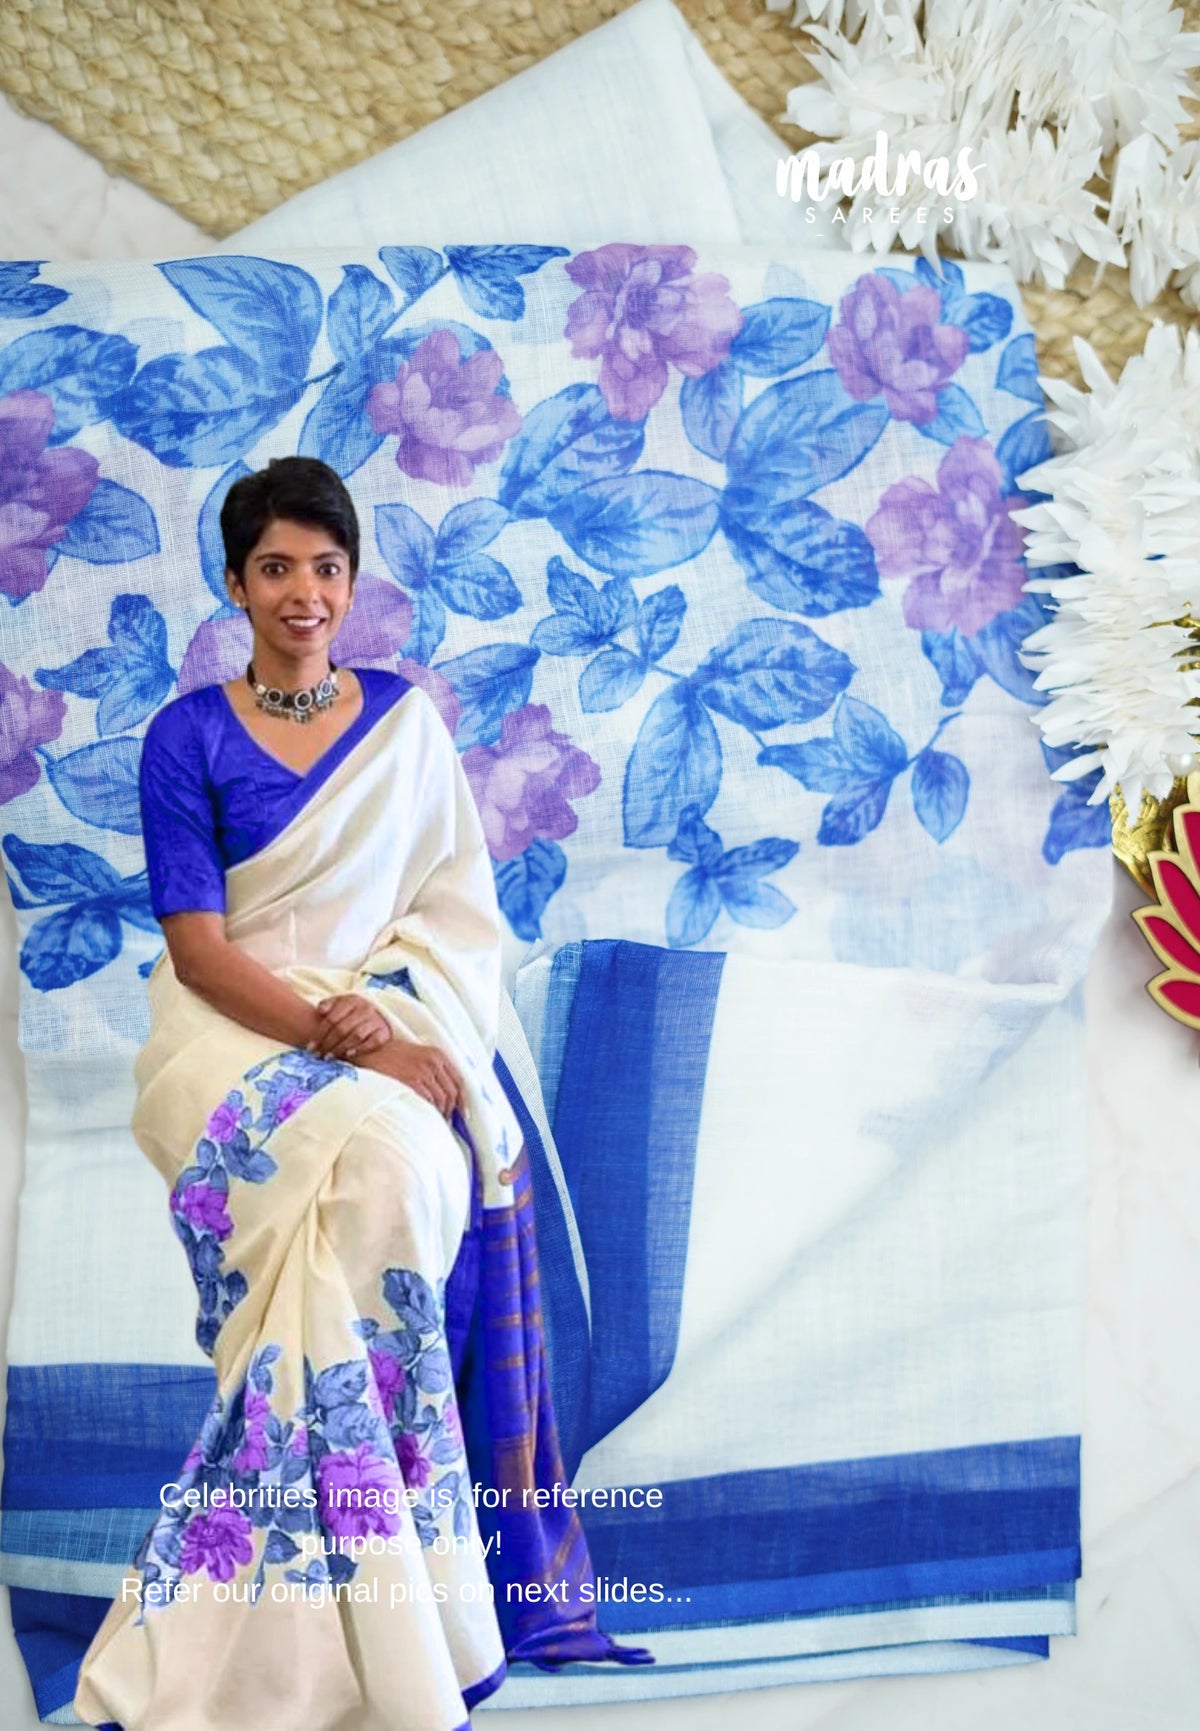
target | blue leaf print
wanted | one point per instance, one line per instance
(99, 784)
(81, 371)
(412, 1298)
(851, 815)
(675, 762)
(1022, 445)
(778, 335)
(718, 878)
(360, 310)
(132, 902)
(867, 740)
(280, 1548)
(857, 764)
(709, 407)
(610, 680)
(986, 318)
(267, 310)
(477, 585)
(341, 1384)
(564, 442)
(999, 642)
(413, 269)
(132, 678)
(1074, 823)
(525, 884)
(694, 841)
(940, 784)
(817, 764)
(954, 662)
(336, 429)
(208, 533)
(487, 275)
(585, 618)
(406, 542)
(796, 555)
(69, 946)
(800, 435)
(23, 298)
(694, 905)
(659, 621)
(957, 417)
(769, 671)
(428, 627)
(61, 871)
(489, 683)
(468, 527)
(115, 526)
(1018, 369)
(204, 410)
(637, 525)
(751, 903)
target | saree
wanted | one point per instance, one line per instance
(353, 1541)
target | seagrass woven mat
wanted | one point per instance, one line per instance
(224, 108)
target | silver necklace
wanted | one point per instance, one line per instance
(294, 705)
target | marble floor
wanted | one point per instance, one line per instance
(1135, 1662)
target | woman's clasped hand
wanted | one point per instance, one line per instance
(351, 1027)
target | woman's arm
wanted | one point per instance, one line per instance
(234, 983)
(239, 987)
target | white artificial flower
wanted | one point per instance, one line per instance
(1123, 507)
(1155, 211)
(1041, 94)
(1034, 211)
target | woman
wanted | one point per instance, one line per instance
(349, 1182)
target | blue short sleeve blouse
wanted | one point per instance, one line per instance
(211, 796)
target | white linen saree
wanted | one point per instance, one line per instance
(318, 1560)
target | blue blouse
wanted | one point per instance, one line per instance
(212, 796)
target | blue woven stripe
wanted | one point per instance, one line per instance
(564, 1314)
(626, 1120)
(972, 1580)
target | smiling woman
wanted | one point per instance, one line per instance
(350, 1185)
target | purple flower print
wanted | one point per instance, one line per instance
(437, 686)
(225, 1122)
(217, 1541)
(28, 718)
(299, 1445)
(416, 1469)
(956, 544)
(641, 310)
(445, 410)
(349, 1470)
(522, 784)
(204, 1207)
(288, 1104)
(894, 343)
(40, 490)
(254, 1454)
(389, 1378)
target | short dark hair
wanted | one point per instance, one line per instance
(296, 489)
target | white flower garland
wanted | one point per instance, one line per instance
(1124, 507)
(1042, 95)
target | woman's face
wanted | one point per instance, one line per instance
(296, 589)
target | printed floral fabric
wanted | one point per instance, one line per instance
(711, 567)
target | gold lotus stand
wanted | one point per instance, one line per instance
(1150, 832)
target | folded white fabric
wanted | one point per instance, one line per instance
(629, 131)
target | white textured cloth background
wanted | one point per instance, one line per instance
(632, 132)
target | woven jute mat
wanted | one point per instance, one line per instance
(224, 108)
